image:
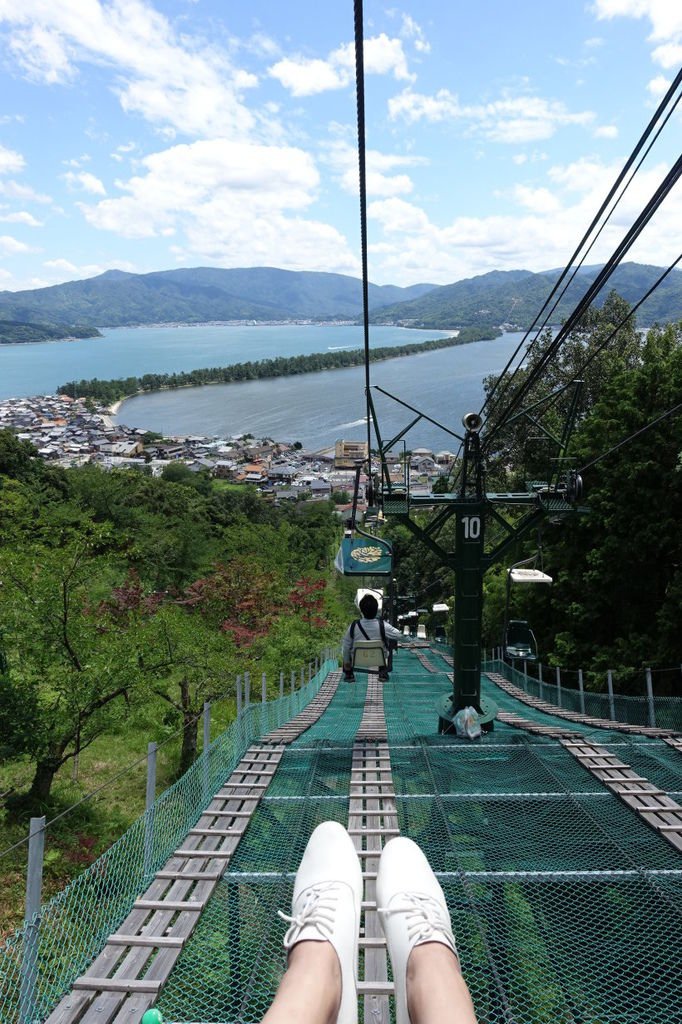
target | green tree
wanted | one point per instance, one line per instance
(71, 668)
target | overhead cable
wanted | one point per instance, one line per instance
(362, 171)
(505, 384)
(661, 193)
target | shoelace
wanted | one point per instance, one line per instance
(318, 911)
(424, 917)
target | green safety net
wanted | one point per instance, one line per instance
(566, 906)
(75, 924)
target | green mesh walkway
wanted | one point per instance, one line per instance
(566, 906)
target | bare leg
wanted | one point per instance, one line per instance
(310, 991)
(436, 991)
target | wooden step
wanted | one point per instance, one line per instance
(223, 854)
(192, 905)
(145, 940)
(117, 984)
(190, 876)
(375, 988)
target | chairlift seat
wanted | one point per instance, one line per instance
(529, 576)
(440, 608)
(368, 654)
(421, 632)
(406, 630)
(364, 555)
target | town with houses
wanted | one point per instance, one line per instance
(73, 432)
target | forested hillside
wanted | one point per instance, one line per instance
(17, 332)
(199, 295)
(126, 603)
(515, 296)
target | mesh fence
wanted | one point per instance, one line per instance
(73, 926)
(664, 712)
(566, 906)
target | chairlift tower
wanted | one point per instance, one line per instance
(473, 508)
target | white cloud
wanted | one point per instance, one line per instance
(22, 217)
(407, 245)
(60, 269)
(658, 86)
(61, 265)
(666, 24)
(12, 246)
(343, 158)
(665, 15)
(227, 202)
(173, 81)
(539, 200)
(411, 30)
(86, 181)
(10, 161)
(606, 131)
(77, 161)
(122, 151)
(305, 76)
(510, 119)
(593, 42)
(16, 190)
(42, 53)
(669, 55)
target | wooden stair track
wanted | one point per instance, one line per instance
(127, 976)
(372, 821)
(655, 807)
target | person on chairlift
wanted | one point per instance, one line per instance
(369, 627)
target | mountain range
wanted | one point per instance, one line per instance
(262, 294)
(514, 297)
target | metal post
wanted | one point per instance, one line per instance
(582, 691)
(609, 687)
(525, 675)
(281, 685)
(263, 688)
(239, 697)
(650, 697)
(302, 676)
(558, 686)
(540, 680)
(207, 744)
(247, 689)
(293, 680)
(149, 808)
(468, 565)
(310, 671)
(34, 884)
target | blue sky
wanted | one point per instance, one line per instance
(148, 136)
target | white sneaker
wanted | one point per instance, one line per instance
(326, 906)
(412, 911)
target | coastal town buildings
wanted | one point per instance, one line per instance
(73, 432)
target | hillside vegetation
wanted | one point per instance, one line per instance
(515, 296)
(199, 295)
(262, 294)
(17, 332)
(126, 602)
